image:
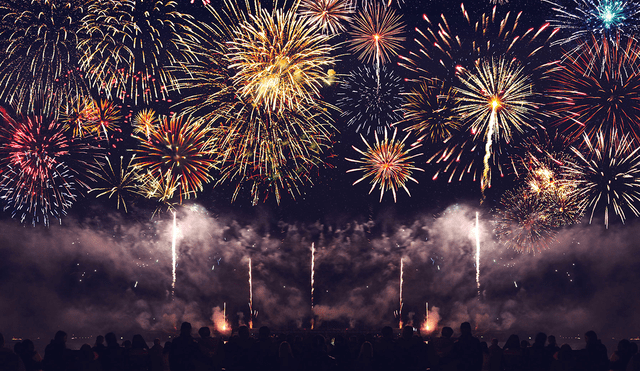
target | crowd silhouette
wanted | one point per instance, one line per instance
(314, 352)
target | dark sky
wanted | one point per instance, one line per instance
(101, 270)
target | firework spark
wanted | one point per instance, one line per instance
(120, 182)
(313, 271)
(174, 255)
(431, 111)
(177, 149)
(42, 167)
(582, 19)
(40, 66)
(608, 174)
(136, 59)
(496, 103)
(387, 163)
(368, 106)
(327, 15)
(279, 60)
(250, 296)
(524, 222)
(446, 46)
(401, 287)
(376, 34)
(145, 122)
(598, 90)
(477, 233)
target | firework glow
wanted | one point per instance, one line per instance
(328, 15)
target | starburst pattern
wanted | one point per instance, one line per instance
(387, 163)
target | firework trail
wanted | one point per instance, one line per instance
(477, 232)
(313, 271)
(174, 255)
(376, 34)
(250, 296)
(401, 293)
(387, 163)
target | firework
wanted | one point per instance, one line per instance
(266, 140)
(107, 115)
(608, 174)
(278, 60)
(446, 47)
(271, 153)
(523, 222)
(477, 233)
(496, 103)
(136, 59)
(598, 90)
(40, 66)
(250, 296)
(42, 167)
(367, 105)
(120, 182)
(387, 163)
(313, 271)
(376, 33)
(582, 19)
(176, 149)
(78, 114)
(174, 254)
(401, 286)
(327, 15)
(431, 111)
(145, 122)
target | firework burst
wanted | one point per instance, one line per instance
(430, 111)
(42, 167)
(328, 15)
(376, 33)
(279, 60)
(598, 90)
(176, 149)
(271, 153)
(583, 19)
(608, 174)
(496, 103)
(120, 182)
(387, 163)
(523, 222)
(145, 122)
(136, 59)
(445, 47)
(40, 66)
(367, 105)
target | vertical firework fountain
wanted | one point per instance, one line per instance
(401, 297)
(250, 296)
(174, 256)
(313, 273)
(478, 252)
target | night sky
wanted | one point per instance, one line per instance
(99, 269)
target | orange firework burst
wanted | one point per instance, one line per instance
(145, 122)
(387, 163)
(376, 33)
(176, 149)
